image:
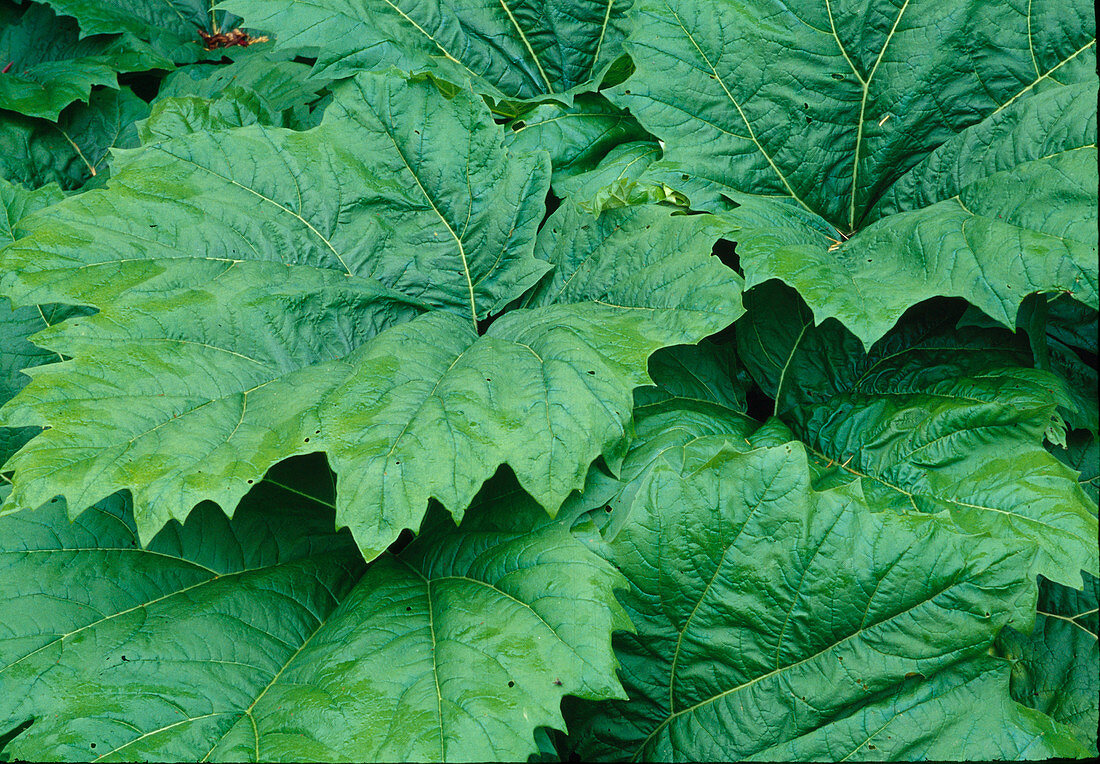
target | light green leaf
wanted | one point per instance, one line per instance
(623, 257)
(577, 136)
(238, 314)
(512, 49)
(1056, 668)
(931, 419)
(17, 203)
(1000, 149)
(265, 638)
(616, 170)
(256, 88)
(170, 25)
(76, 150)
(777, 622)
(53, 64)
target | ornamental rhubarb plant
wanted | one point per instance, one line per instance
(541, 379)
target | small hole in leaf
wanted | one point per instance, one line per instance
(307, 440)
(684, 176)
(627, 92)
(518, 125)
(838, 77)
(607, 508)
(591, 372)
(408, 609)
(93, 745)
(250, 482)
(396, 462)
(511, 684)
(488, 380)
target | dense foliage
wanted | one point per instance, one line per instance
(625, 379)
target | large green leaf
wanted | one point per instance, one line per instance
(239, 308)
(170, 25)
(49, 64)
(1056, 668)
(975, 124)
(16, 352)
(931, 419)
(265, 638)
(76, 149)
(514, 49)
(775, 622)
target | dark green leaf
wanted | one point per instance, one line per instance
(513, 49)
(780, 623)
(74, 151)
(50, 63)
(931, 419)
(1056, 668)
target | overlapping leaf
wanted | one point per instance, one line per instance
(780, 623)
(988, 161)
(265, 638)
(49, 63)
(930, 420)
(170, 25)
(75, 150)
(578, 136)
(239, 308)
(16, 352)
(1056, 668)
(512, 49)
(611, 183)
(257, 87)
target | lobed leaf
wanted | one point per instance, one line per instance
(931, 419)
(242, 319)
(776, 622)
(265, 638)
(993, 185)
(518, 49)
(50, 62)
